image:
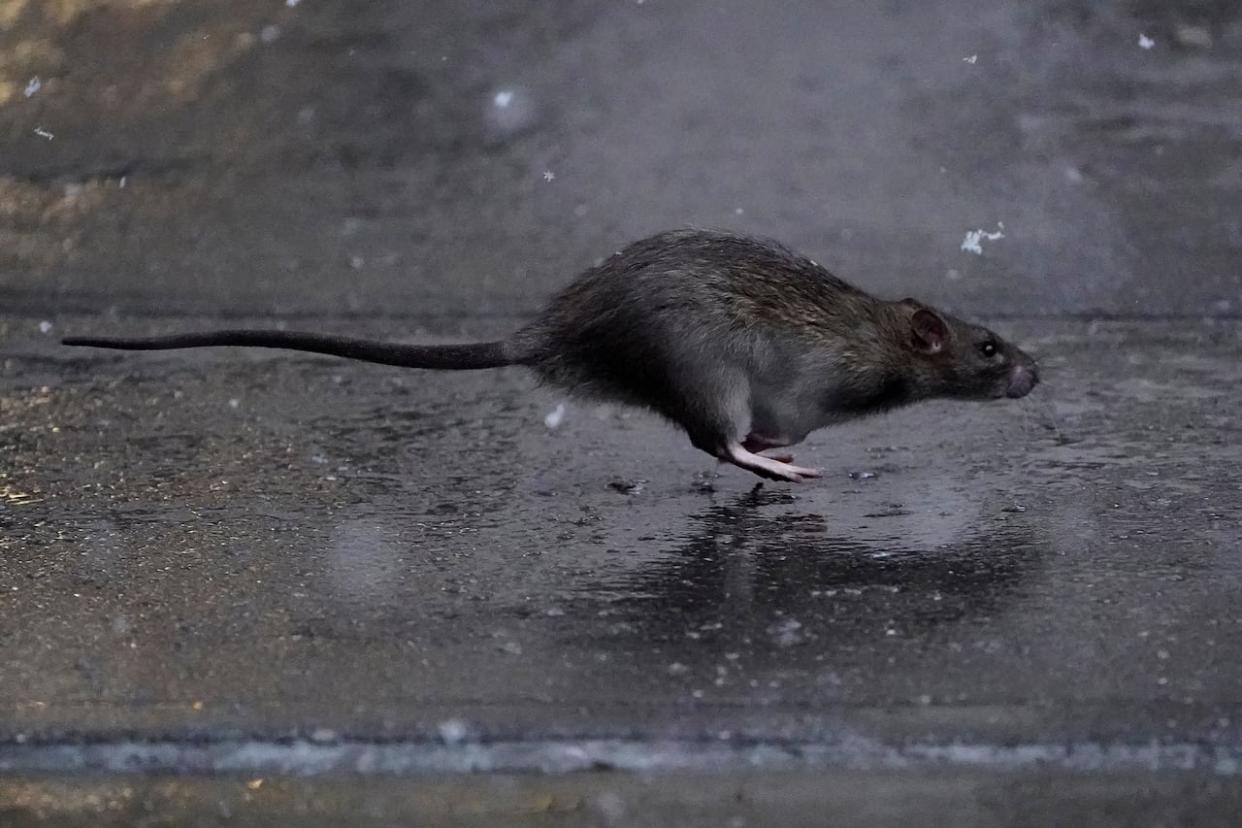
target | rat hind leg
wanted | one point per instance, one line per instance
(770, 467)
(718, 422)
(757, 443)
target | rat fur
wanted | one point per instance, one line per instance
(745, 344)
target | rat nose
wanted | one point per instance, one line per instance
(1022, 380)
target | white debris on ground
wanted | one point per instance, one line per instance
(234, 403)
(292, 3)
(785, 633)
(453, 731)
(555, 417)
(548, 175)
(32, 86)
(269, 34)
(1145, 42)
(503, 99)
(974, 238)
(45, 327)
(971, 60)
(43, 133)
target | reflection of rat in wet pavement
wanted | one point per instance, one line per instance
(744, 344)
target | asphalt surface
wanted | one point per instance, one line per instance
(332, 579)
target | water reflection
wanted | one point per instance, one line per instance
(748, 574)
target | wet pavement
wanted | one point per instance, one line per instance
(279, 564)
(265, 565)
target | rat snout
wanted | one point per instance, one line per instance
(1022, 380)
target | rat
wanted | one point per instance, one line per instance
(743, 343)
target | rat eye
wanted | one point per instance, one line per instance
(988, 349)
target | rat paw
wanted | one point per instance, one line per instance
(771, 468)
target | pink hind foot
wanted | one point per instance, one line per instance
(767, 467)
(756, 443)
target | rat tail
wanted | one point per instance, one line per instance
(442, 357)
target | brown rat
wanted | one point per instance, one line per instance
(746, 345)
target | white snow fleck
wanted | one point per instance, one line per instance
(234, 403)
(292, 3)
(548, 175)
(971, 59)
(43, 133)
(268, 34)
(972, 242)
(503, 99)
(123, 181)
(555, 417)
(1145, 42)
(32, 86)
(45, 327)
(511, 647)
(738, 210)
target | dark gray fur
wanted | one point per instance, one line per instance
(739, 341)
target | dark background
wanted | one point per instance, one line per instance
(352, 156)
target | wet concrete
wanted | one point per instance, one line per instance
(231, 545)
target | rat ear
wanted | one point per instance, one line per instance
(931, 332)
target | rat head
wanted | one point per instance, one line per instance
(957, 359)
